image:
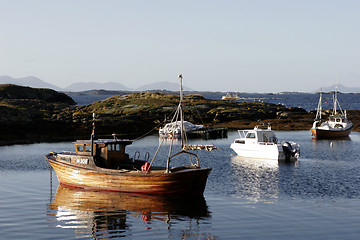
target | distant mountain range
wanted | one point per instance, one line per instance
(86, 86)
(28, 82)
(339, 88)
(113, 86)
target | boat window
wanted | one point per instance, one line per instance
(83, 148)
(250, 135)
(338, 120)
(80, 148)
(110, 147)
(242, 133)
(114, 147)
(87, 148)
(265, 138)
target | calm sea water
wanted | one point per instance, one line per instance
(307, 101)
(317, 197)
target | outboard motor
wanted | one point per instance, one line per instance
(291, 149)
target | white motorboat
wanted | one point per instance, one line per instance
(337, 126)
(262, 144)
(230, 96)
(173, 129)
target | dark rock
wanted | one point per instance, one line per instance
(9, 91)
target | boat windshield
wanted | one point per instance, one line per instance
(242, 133)
(251, 135)
(83, 148)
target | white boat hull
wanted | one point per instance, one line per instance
(259, 151)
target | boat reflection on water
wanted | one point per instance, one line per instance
(335, 149)
(100, 214)
(257, 180)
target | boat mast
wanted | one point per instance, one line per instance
(183, 134)
(335, 101)
(319, 108)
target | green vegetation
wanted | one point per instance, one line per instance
(28, 115)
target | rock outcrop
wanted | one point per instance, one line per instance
(29, 115)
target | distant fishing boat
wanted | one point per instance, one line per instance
(178, 127)
(337, 125)
(230, 96)
(103, 164)
(173, 129)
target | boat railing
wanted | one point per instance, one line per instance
(272, 142)
(267, 143)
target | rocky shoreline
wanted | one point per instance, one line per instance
(30, 115)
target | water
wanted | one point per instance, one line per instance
(316, 198)
(307, 101)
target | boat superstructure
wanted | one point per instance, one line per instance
(173, 129)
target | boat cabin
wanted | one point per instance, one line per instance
(257, 136)
(338, 119)
(107, 153)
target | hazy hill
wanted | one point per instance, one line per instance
(10, 91)
(85, 86)
(340, 88)
(112, 86)
(30, 81)
(170, 86)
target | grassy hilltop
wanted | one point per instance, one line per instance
(28, 114)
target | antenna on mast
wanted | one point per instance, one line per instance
(93, 134)
(335, 101)
(183, 133)
(181, 88)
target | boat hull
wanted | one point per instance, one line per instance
(331, 133)
(258, 151)
(185, 180)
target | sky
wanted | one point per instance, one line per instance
(239, 45)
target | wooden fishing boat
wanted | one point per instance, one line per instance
(103, 164)
(337, 126)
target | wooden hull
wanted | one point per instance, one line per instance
(330, 134)
(185, 180)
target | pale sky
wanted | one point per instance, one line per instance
(253, 45)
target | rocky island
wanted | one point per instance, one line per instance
(34, 115)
